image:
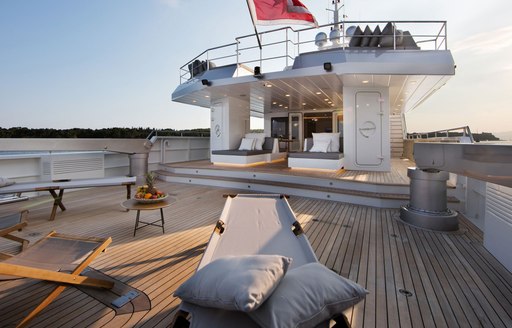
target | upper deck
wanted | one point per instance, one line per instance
(411, 58)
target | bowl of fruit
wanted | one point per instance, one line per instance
(148, 193)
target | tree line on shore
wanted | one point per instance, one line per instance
(123, 133)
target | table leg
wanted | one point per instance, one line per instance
(57, 202)
(163, 222)
(136, 222)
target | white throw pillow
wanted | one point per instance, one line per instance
(307, 296)
(246, 144)
(238, 283)
(260, 139)
(321, 146)
(333, 137)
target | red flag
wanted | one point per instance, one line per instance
(280, 12)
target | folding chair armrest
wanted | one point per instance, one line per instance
(42, 274)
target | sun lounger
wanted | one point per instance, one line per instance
(50, 259)
(53, 186)
(13, 222)
(250, 225)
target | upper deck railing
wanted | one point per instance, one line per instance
(461, 134)
(279, 47)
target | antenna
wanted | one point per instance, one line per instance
(336, 10)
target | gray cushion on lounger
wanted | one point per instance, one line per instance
(316, 155)
(307, 296)
(375, 39)
(355, 40)
(237, 152)
(238, 283)
(365, 42)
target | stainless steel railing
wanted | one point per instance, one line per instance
(279, 47)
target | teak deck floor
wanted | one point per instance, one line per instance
(453, 281)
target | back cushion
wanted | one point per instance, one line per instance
(260, 139)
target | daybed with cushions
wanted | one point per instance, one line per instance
(257, 257)
(254, 148)
(323, 151)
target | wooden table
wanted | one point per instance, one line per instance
(132, 204)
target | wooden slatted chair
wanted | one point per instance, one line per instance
(50, 259)
(10, 223)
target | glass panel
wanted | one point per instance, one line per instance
(279, 127)
(317, 122)
(295, 132)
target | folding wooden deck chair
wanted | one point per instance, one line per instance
(50, 259)
(10, 223)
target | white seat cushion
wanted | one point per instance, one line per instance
(246, 144)
(333, 137)
(260, 139)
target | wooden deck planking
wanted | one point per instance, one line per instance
(454, 280)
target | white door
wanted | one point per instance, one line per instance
(295, 121)
(216, 135)
(369, 139)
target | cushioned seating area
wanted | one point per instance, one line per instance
(269, 151)
(328, 158)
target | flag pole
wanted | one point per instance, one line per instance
(253, 24)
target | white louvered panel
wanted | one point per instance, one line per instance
(73, 166)
(498, 223)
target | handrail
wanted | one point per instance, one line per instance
(446, 133)
(296, 41)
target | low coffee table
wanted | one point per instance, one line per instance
(132, 204)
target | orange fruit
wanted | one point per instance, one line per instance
(148, 195)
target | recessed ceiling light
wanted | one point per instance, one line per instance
(365, 81)
(286, 107)
(207, 96)
(314, 108)
(326, 99)
(303, 104)
(274, 102)
(287, 95)
(194, 101)
(280, 105)
(318, 93)
(260, 97)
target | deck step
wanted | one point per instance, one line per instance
(363, 195)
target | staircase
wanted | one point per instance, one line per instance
(396, 131)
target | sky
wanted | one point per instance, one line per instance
(114, 63)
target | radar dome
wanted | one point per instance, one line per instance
(350, 30)
(334, 36)
(321, 39)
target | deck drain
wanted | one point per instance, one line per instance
(34, 234)
(405, 292)
(189, 180)
(328, 196)
(330, 183)
(316, 220)
(346, 226)
(197, 171)
(394, 235)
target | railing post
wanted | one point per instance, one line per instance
(287, 54)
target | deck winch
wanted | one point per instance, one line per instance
(428, 201)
